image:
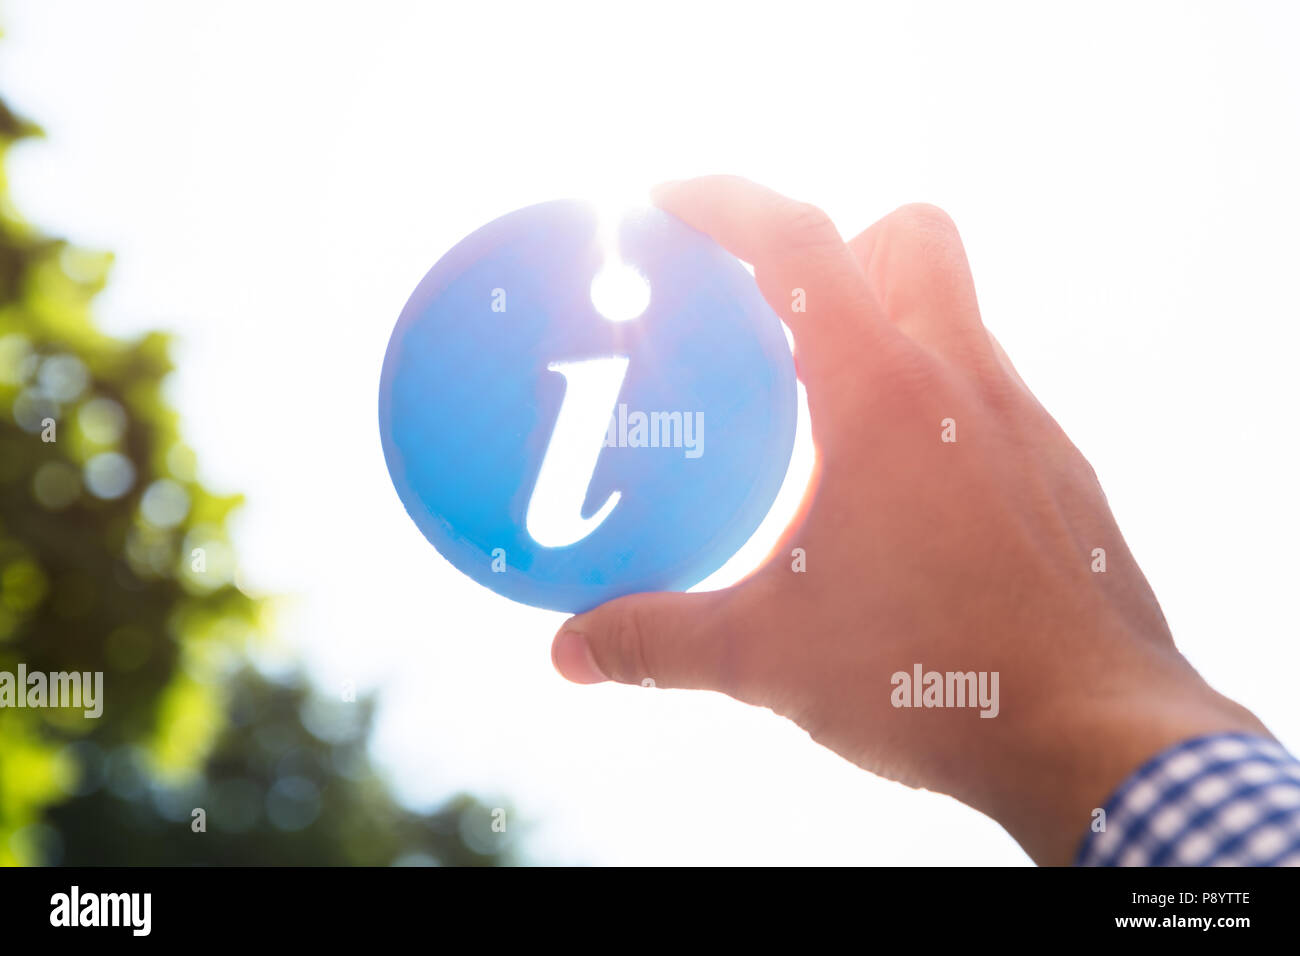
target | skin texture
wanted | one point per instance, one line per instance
(966, 555)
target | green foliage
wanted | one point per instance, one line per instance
(287, 784)
(115, 558)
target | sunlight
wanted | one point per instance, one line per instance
(619, 291)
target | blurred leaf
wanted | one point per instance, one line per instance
(107, 567)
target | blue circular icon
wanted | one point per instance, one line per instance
(562, 458)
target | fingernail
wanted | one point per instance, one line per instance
(573, 659)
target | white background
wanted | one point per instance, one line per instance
(276, 178)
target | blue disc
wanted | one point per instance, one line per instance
(563, 459)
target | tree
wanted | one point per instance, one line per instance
(114, 559)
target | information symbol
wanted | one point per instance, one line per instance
(604, 457)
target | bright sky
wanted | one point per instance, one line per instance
(275, 179)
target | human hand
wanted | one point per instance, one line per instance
(966, 555)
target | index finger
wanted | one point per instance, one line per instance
(804, 269)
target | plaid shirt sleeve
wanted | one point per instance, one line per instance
(1218, 800)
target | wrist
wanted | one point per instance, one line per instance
(1062, 764)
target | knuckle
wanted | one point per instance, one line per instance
(924, 235)
(808, 227)
(924, 219)
(630, 630)
(911, 379)
(755, 660)
(733, 657)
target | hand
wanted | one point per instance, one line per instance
(968, 555)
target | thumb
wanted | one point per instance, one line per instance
(673, 639)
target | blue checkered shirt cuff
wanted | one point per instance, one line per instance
(1219, 800)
